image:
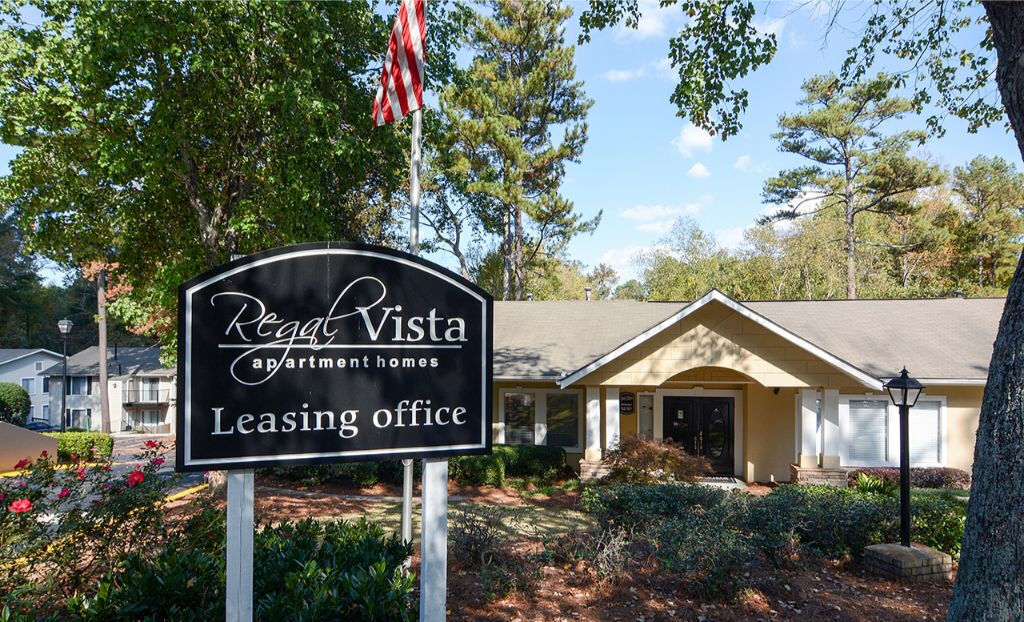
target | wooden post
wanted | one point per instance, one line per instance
(239, 546)
(434, 541)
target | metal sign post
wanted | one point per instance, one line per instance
(239, 546)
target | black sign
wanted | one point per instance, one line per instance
(330, 353)
(627, 403)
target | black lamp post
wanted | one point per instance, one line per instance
(904, 392)
(64, 326)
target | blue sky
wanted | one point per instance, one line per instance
(643, 166)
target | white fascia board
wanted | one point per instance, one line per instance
(950, 382)
(18, 358)
(552, 379)
(714, 295)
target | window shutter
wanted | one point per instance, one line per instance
(866, 433)
(924, 433)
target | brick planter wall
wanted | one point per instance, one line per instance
(816, 475)
(916, 563)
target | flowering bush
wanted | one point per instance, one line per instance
(61, 526)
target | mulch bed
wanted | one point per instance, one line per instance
(818, 591)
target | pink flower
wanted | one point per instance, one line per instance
(151, 444)
(19, 483)
(24, 462)
(156, 461)
(1, 496)
(80, 471)
(106, 485)
(21, 505)
(136, 477)
(64, 492)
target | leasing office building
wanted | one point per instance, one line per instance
(765, 390)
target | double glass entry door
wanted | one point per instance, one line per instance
(703, 426)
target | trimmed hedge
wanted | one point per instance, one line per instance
(633, 505)
(532, 460)
(14, 403)
(487, 470)
(84, 445)
(920, 477)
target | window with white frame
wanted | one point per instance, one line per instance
(39, 366)
(871, 431)
(79, 385)
(29, 384)
(46, 384)
(520, 418)
(541, 417)
(46, 412)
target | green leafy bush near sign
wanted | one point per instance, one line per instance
(72, 446)
(487, 470)
(14, 403)
(532, 460)
(362, 474)
(308, 570)
(720, 543)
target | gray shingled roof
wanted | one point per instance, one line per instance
(9, 354)
(943, 338)
(121, 361)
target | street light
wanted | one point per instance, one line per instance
(904, 392)
(64, 326)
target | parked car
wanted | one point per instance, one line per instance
(37, 425)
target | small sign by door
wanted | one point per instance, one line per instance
(627, 403)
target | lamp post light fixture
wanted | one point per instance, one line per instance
(904, 391)
(64, 326)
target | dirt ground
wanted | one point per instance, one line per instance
(814, 590)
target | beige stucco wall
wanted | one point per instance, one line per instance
(768, 433)
(963, 408)
(716, 336)
(17, 443)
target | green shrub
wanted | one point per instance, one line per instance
(532, 460)
(72, 446)
(867, 483)
(709, 549)
(307, 570)
(362, 474)
(15, 403)
(642, 461)
(938, 521)
(630, 505)
(829, 521)
(486, 470)
(920, 477)
(481, 541)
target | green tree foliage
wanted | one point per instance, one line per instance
(854, 166)
(14, 403)
(175, 151)
(632, 289)
(990, 198)
(498, 167)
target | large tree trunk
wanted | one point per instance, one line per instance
(101, 323)
(990, 581)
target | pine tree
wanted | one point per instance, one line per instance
(501, 114)
(855, 167)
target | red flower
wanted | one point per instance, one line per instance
(44, 454)
(81, 472)
(151, 444)
(19, 483)
(63, 493)
(24, 462)
(106, 467)
(1, 496)
(136, 477)
(157, 461)
(21, 505)
(74, 457)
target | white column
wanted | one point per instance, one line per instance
(593, 447)
(808, 428)
(611, 418)
(239, 546)
(830, 435)
(434, 541)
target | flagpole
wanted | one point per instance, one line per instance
(414, 249)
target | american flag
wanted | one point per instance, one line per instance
(401, 81)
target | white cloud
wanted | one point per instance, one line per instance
(767, 26)
(730, 238)
(742, 163)
(622, 75)
(699, 171)
(648, 213)
(692, 138)
(653, 22)
(619, 258)
(660, 227)
(663, 67)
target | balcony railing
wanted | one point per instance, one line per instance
(145, 396)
